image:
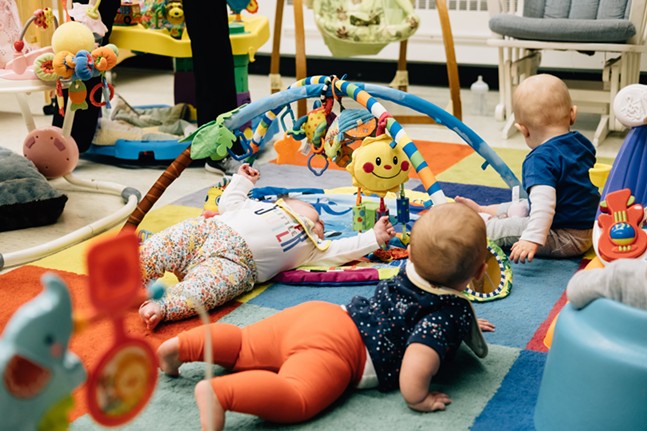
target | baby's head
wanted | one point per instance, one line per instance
(449, 245)
(306, 210)
(542, 108)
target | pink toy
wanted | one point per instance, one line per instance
(54, 154)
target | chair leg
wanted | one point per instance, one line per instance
(601, 131)
(499, 111)
(401, 79)
(300, 53)
(517, 66)
(509, 129)
(450, 56)
(275, 61)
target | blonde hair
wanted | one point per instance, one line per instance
(542, 100)
(448, 244)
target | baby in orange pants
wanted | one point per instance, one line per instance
(294, 364)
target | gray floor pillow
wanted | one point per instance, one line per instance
(26, 197)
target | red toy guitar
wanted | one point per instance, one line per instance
(622, 235)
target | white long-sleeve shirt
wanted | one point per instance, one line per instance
(276, 239)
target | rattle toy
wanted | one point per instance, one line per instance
(122, 382)
(378, 166)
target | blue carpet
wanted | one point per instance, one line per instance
(484, 195)
(512, 407)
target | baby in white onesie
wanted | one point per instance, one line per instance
(218, 258)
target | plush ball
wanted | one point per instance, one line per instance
(53, 154)
(72, 36)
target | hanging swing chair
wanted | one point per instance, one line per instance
(351, 28)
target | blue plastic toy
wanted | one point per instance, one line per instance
(38, 371)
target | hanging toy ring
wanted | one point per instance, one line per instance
(312, 169)
(94, 90)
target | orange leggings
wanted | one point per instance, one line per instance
(291, 365)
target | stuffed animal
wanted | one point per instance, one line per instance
(351, 126)
(174, 12)
(72, 36)
(379, 166)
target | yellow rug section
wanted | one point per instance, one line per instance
(470, 171)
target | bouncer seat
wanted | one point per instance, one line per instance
(351, 28)
(595, 377)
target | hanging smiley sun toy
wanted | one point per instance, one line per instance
(378, 166)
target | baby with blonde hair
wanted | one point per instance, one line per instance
(444, 255)
(562, 201)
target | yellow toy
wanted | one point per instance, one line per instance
(379, 166)
(210, 207)
(72, 36)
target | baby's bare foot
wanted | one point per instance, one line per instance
(151, 314)
(168, 356)
(212, 415)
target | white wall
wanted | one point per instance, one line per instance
(470, 30)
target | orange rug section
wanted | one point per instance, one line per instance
(439, 156)
(22, 284)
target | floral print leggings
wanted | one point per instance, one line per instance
(211, 260)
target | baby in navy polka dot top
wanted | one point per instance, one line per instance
(289, 367)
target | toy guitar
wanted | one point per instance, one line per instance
(621, 221)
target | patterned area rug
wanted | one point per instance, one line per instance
(498, 392)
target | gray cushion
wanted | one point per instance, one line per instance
(577, 9)
(534, 9)
(563, 29)
(614, 9)
(26, 197)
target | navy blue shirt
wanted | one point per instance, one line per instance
(563, 163)
(398, 314)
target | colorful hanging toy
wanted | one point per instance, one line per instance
(346, 133)
(122, 382)
(314, 125)
(379, 166)
(73, 59)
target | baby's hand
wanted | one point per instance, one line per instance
(383, 230)
(486, 325)
(248, 172)
(470, 203)
(522, 250)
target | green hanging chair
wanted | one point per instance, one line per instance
(351, 27)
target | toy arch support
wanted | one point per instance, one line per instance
(366, 95)
(268, 108)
